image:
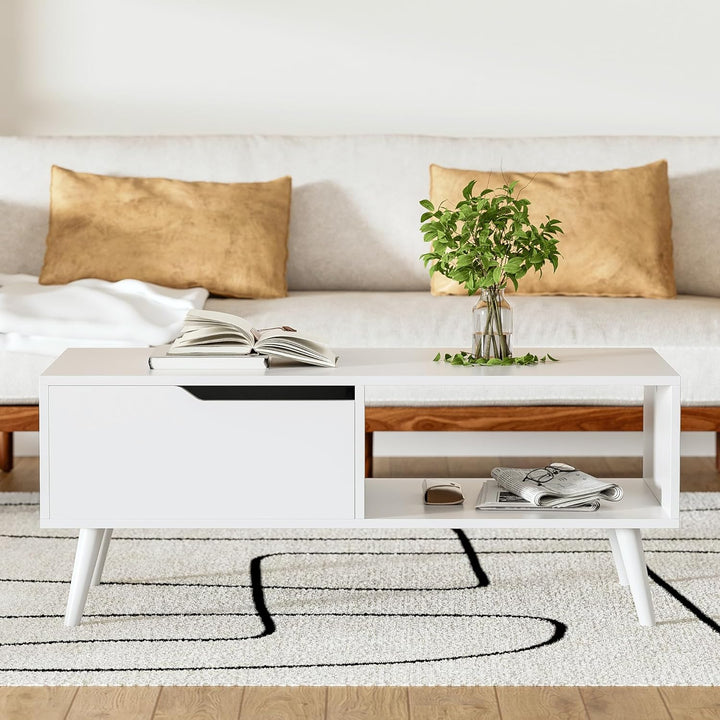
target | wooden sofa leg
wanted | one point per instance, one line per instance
(717, 451)
(6, 451)
(369, 454)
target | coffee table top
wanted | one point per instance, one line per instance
(374, 366)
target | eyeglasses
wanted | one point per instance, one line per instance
(543, 475)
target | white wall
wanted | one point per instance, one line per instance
(477, 67)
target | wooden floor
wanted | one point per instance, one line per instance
(378, 703)
(363, 703)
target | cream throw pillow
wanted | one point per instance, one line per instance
(616, 226)
(230, 238)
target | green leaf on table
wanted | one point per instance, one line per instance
(468, 359)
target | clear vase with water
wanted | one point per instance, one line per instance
(492, 325)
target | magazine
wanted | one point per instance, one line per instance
(211, 333)
(494, 497)
(556, 485)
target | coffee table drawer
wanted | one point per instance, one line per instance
(129, 454)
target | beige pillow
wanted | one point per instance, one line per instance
(230, 238)
(616, 226)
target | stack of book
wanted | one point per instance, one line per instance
(555, 487)
(212, 340)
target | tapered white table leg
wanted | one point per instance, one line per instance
(630, 544)
(85, 558)
(617, 557)
(102, 554)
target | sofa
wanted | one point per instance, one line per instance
(355, 278)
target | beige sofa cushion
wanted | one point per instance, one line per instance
(616, 225)
(230, 238)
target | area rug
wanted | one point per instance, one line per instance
(382, 607)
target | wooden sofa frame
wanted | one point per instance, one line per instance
(16, 418)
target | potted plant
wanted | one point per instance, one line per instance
(484, 242)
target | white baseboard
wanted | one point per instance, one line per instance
(463, 444)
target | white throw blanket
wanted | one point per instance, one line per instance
(47, 319)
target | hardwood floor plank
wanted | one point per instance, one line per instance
(283, 703)
(431, 467)
(367, 703)
(624, 467)
(539, 703)
(24, 477)
(471, 467)
(198, 703)
(692, 703)
(618, 703)
(453, 703)
(381, 467)
(114, 703)
(699, 474)
(36, 703)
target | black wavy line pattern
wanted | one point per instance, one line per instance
(684, 601)
(559, 630)
(269, 627)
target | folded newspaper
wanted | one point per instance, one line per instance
(556, 486)
(494, 497)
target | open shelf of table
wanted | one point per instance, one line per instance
(397, 502)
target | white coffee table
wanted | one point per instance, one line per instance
(125, 446)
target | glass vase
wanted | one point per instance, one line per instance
(492, 325)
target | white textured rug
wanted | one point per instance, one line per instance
(328, 607)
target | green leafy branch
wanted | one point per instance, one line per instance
(466, 358)
(488, 239)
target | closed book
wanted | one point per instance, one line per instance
(208, 362)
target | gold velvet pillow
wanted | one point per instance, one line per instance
(230, 238)
(616, 226)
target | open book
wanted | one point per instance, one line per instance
(210, 333)
(557, 485)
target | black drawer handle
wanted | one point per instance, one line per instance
(271, 392)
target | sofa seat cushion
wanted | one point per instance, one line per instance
(685, 330)
(19, 377)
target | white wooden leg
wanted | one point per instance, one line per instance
(102, 554)
(630, 544)
(85, 558)
(617, 557)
